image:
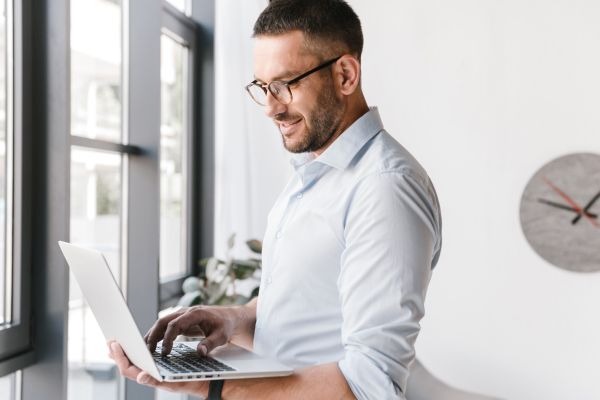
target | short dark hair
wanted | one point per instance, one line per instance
(330, 24)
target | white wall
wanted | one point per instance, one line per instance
(484, 93)
(251, 166)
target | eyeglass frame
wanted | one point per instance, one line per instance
(266, 88)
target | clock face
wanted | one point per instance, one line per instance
(560, 212)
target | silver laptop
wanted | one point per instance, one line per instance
(106, 301)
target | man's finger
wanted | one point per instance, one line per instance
(211, 342)
(133, 373)
(145, 378)
(176, 327)
(126, 368)
(156, 333)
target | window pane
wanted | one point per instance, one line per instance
(95, 223)
(3, 148)
(8, 387)
(172, 158)
(181, 5)
(96, 69)
(96, 112)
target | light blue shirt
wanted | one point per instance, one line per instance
(347, 256)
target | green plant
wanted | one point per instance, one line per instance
(218, 278)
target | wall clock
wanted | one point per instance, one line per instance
(560, 212)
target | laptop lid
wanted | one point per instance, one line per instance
(108, 305)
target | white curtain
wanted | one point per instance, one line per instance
(251, 164)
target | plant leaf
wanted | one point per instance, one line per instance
(231, 241)
(254, 245)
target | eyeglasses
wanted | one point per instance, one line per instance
(280, 90)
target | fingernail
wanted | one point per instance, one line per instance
(203, 350)
(113, 346)
(143, 378)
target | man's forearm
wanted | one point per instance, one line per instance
(246, 314)
(318, 382)
(324, 381)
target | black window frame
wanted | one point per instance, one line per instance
(16, 342)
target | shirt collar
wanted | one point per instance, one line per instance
(343, 150)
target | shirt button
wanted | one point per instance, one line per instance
(269, 280)
(278, 235)
(299, 196)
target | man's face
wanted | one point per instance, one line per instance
(315, 113)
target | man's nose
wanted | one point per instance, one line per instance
(272, 106)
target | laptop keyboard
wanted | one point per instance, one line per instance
(184, 359)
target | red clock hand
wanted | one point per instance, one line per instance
(570, 201)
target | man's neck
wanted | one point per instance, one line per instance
(356, 109)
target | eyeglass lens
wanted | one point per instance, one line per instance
(279, 90)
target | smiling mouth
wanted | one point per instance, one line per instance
(287, 127)
(288, 124)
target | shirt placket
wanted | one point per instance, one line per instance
(308, 176)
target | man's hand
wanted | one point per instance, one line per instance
(219, 325)
(130, 371)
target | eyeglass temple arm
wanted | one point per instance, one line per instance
(315, 69)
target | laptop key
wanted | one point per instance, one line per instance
(185, 359)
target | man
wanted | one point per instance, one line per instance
(350, 242)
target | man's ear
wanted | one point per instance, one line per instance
(347, 74)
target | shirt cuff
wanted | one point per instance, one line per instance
(368, 381)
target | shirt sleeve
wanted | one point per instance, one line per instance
(392, 239)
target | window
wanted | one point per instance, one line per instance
(103, 176)
(96, 180)
(173, 158)
(95, 223)
(95, 77)
(15, 336)
(176, 143)
(10, 386)
(181, 5)
(96, 69)
(5, 284)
